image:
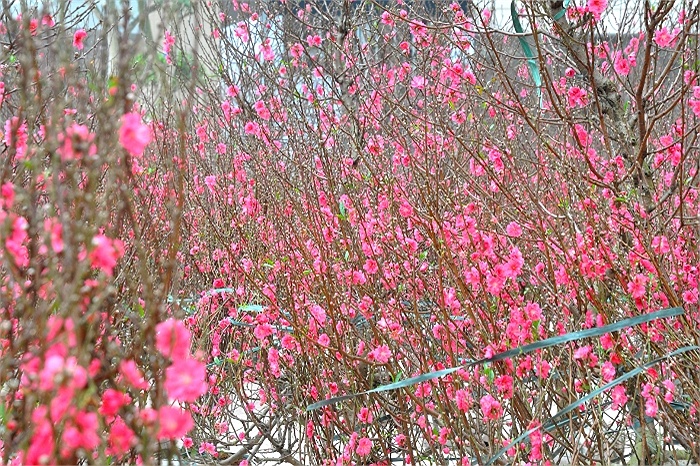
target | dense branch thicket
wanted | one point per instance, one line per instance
(343, 195)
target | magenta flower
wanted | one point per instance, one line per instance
(490, 407)
(596, 7)
(121, 438)
(78, 39)
(364, 447)
(105, 253)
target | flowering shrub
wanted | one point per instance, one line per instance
(377, 199)
(86, 370)
(351, 196)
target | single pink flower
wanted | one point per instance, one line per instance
(607, 371)
(262, 331)
(112, 402)
(105, 253)
(173, 339)
(664, 38)
(380, 354)
(637, 286)
(490, 407)
(47, 20)
(78, 39)
(207, 447)
(596, 7)
(185, 380)
(619, 398)
(173, 423)
(513, 229)
(132, 375)
(134, 136)
(121, 438)
(76, 142)
(418, 82)
(622, 65)
(463, 399)
(577, 97)
(364, 447)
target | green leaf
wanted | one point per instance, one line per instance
(139, 308)
(551, 424)
(386, 388)
(490, 374)
(521, 350)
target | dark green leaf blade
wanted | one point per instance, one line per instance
(521, 350)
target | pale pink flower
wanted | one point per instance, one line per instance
(607, 371)
(173, 339)
(47, 20)
(463, 399)
(207, 447)
(651, 406)
(318, 313)
(252, 128)
(513, 229)
(262, 110)
(387, 19)
(76, 142)
(185, 380)
(664, 38)
(132, 375)
(582, 353)
(365, 415)
(262, 331)
(296, 50)
(380, 354)
(210, 181)
(173, 423)
(619, 398)
(134, 136)
(418, 82)
(371, 266)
